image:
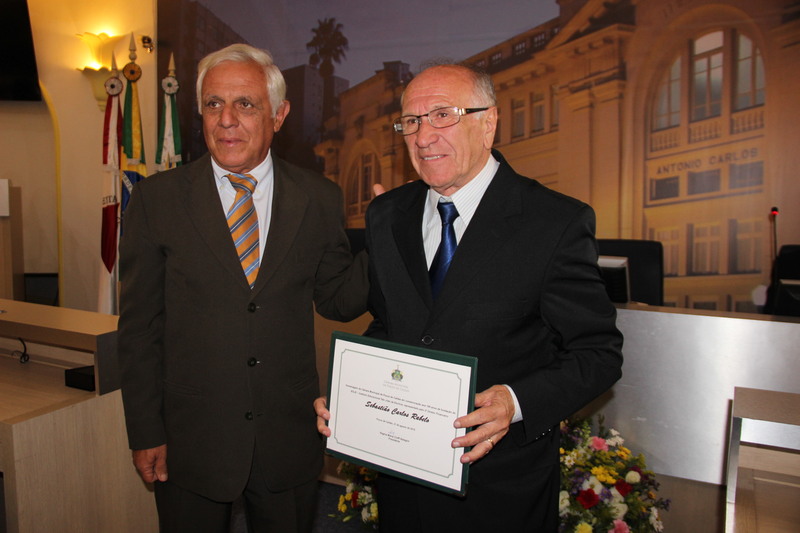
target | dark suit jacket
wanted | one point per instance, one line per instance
(523, 294)
(209, 367)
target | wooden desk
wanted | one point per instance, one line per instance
(63, 451)
(57, 326)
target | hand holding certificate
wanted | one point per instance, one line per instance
(393, 406)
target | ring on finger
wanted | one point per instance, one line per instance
(490, 441)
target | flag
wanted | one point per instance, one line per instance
(168, 154)
(112, 132)
(132, 161)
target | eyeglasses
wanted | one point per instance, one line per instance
(442, 117)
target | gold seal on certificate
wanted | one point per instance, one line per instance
(393, 406)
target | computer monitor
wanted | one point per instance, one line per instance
(616, 275)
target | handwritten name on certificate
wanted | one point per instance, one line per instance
(393, 406)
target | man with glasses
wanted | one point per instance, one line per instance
(522, 293)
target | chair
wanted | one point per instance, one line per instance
(783, 297)
(645, 264)
(745, 470)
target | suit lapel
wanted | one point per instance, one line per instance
(289, 203)
(407, 232)
(205, 210)
(492, 225)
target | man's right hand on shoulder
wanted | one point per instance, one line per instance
(151, 463)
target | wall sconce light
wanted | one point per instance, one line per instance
(147, 43)
(99, 67)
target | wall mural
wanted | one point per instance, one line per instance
(661, 115)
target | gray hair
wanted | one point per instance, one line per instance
(482, 81)
(244, 53)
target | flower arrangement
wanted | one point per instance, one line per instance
(358, 499)
(604, 487)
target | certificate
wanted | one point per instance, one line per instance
(393, 406)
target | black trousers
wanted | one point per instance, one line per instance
(526, 504)
(290, 511)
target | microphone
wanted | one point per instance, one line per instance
(773, 215)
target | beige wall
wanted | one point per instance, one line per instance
(52, 150)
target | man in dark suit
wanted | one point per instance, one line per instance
(216, 342)
(523, 294)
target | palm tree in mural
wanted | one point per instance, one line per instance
(328, 46)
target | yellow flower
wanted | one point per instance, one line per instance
(342, 507)
(561, 451)
(583, 527)
(623, 452)
(604, 475)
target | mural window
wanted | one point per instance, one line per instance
(721, 66)
(363, 174)
(750, 84)
(707, 76)
(704, 182)
(747, 175)
(554, 107)
(520, 48)
(747, 246)
(663, 188)
(496, 58)
(517, 118)
(537, 113)
(670, 239)
(540, 40)
(704, 249)
(667, 109)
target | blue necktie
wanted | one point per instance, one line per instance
(441, 261)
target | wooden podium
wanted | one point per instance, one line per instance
(64, 455)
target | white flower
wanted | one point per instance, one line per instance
(633, 477)
(615, 439)
(568, 460)
(563, 502)
(365, 497)
(350, 487)
(616, 496)
(594, 484)
(655, 520)
(619, 509)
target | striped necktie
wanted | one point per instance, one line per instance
(447, 247)
(243, 222)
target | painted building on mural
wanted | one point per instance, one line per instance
(676, 120)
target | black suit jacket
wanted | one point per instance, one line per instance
(210, 367)
(523, 294)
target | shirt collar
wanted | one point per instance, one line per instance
(260, 172)
(469, 196)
